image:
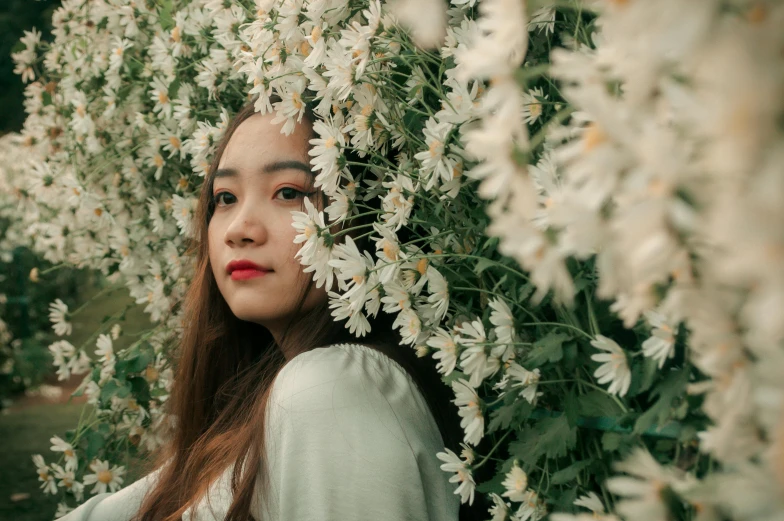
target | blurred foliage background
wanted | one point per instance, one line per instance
(33, 403)
(17, 16)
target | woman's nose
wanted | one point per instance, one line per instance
(246, 227)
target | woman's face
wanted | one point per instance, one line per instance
(262, 176)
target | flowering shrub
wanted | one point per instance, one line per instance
(25, 295)
(590, 199)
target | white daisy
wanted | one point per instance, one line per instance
(105, 351)
(503, 320)
(396, 298)
(435, 164)
(326, 151)
(352, 266)
(526, 379)
(398, 201)
(344, 308)
(445, 350)
(590, 501)
(478, 360)
(48, 484)
(516, 483)
(409, 324)
(439, 292)
(67, 480)
(661, 345)
(309, 225)
(60, 445)
(532, 109)
(469, 409)
(532, 508)
(500, 508)
(462, 470)
(615, 366)
(104, 477)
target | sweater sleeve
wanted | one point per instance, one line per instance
(114, 506)
(351, 438)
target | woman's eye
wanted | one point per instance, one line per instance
(217, 198)
(290, 194)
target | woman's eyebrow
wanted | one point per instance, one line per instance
(269, 168)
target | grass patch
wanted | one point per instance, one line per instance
(24, 433)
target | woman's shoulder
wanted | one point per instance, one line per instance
(348, 363)
(349, 382)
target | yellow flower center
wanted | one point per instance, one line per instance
(593, 137)
(105, 477)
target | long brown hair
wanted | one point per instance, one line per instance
(224, 373)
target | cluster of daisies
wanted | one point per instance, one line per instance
(514, 189)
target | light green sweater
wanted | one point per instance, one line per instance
(349, 437)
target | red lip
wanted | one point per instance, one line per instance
(243, 264)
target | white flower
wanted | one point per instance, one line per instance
(661, 345)
(516, 483)
(62, 509)
(105, 351)
(62, 351)
(503, 320)
(182, 211)
(500, 508)
(398, 201)
(326, 151)
(473, 422)
(67, 480)
(104, 477)
(615, 367)
(344, 308)
(308, 225)
(478, 360)
(525, 379)
(410, 326)
(532, 109)
(462, 470)
(439, 292)
(641, 494)
(58, 311)
(116, 331)
(531, 508)
(352, 266)
(446, 351)
(60, 445)
(590, 501)
(435, 164)
(48, 484)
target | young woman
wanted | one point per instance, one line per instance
(281, 414)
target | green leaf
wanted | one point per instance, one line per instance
(598, 403)
(571, 408)
(556, 436)
(482, 265)
(550, 437)
(165, 16)
(569, 473)
(511, 415)
(670, 388)
(95, 442)
(109, 389)
(611, 441)
(548, 349)
(134, 364)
